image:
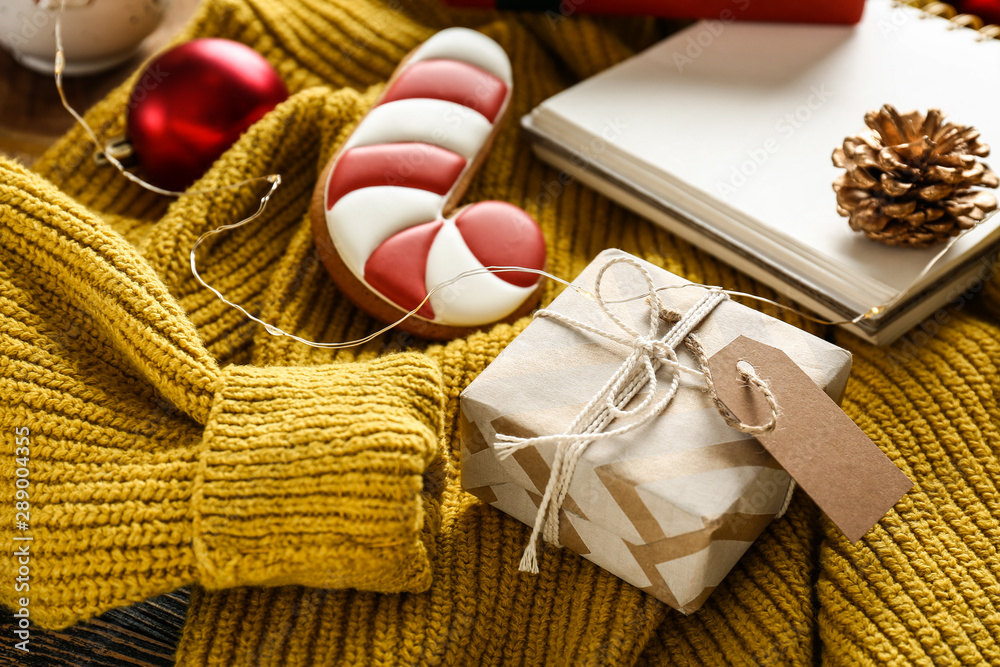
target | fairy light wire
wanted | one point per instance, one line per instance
(274, 180)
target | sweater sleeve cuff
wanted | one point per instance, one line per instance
(313, 476)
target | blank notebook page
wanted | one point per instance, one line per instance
(749, 114)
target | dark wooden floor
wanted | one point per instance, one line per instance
(144, 635)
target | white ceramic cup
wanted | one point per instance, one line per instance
(97, 34)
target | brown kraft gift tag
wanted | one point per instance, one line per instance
(823, 450)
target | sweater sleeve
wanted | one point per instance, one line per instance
(148, 467)
(313, 476)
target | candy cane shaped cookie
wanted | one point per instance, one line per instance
(383, 211)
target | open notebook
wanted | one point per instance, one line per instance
(727, 143)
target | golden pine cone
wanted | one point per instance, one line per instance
(909, 182)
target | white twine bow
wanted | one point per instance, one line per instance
(637, 371)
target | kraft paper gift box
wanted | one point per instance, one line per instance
(669, 507)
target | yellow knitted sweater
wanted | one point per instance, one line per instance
(313, 497)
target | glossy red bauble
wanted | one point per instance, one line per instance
(192, 103)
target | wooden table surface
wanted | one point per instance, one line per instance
(31, 119)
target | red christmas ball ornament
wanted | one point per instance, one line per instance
(987, 10)
(191, 103)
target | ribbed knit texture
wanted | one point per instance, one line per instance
(291, 457)
(314, 496)
(300, 475)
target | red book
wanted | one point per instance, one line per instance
(799, 11)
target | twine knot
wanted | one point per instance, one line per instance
(637, 372)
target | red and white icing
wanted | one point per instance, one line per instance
(386, 193)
